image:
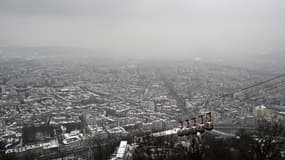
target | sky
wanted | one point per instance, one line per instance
(146, 27)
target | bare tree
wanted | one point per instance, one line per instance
(155, 148)
(265, 144)
(100, 148)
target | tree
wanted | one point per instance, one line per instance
(154, 148)
(219, 149)
(4, 156)
(100, 148)
(265, 144)
(168, 148)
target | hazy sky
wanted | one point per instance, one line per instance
(145, 26)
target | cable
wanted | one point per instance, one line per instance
(249, 87)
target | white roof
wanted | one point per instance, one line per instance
(261, 107)
(165, 133)
(123, 144)
(122, 149)
(120, 156)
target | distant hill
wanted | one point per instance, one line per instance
(259, 59)
(46, 51)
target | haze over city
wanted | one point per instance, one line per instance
(142, 79)
(221, 28)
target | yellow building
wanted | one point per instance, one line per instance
(262, 111)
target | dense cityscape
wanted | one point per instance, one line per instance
(142, 80)
(52, 106)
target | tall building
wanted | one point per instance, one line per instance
(2, 89)
(262, 112)
(2, 123)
